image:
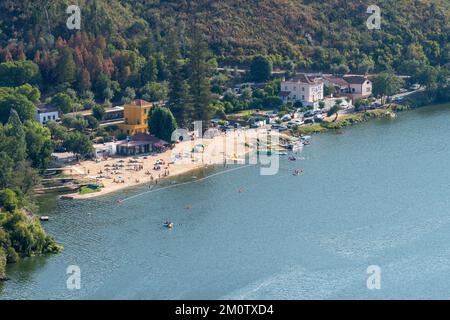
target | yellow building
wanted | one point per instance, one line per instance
(136, 116)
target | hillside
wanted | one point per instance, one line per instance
(314, 34)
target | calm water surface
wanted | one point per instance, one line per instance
(379, 194)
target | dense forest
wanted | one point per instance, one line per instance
(310, 34)
(128, 49)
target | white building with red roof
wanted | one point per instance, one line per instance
(306, 89)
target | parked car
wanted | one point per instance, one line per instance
(308, 114)
(415, 86)
(375, 105)
(318, 118)
(282, 128)
(309, 120)
(294, 123)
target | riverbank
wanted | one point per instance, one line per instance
(346, 119)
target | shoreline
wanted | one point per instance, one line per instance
(140, 170)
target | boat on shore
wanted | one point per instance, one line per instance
(65, 197)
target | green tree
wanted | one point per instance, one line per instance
(199, 79)
(335, 109)
(130, 95)
(63, 102)
(2, 263)
(155, 91)
(58, 132)
(386, 85)
(149, 71)
(17, 73)
(24, 107)
(32, 93)
(8, 200)
(39, 144)
(78, 143)
(15, 131)
(321, 105)
(66, 68)
(339, 69)
(260, 69)
(428, 77)
(162, 123)
(98, 112)
(92, 122)
(178, 97)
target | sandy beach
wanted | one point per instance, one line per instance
(117, 173)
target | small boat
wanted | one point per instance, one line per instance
(168, 225)
(44, 218)
(292, 158)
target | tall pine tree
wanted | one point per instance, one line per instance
(199, 78)
(66, 68)
(178, 102)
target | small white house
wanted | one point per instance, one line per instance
(44, 115)
(105, 150)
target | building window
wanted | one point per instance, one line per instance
(303, 98)
(303, 89)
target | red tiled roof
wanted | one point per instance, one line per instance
(303, 78)
(355, 79)
(141, 103)
(337, 81)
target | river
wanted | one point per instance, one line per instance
(379, 194)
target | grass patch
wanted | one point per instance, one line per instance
(314, 128)
(89, 189)
(343, 121)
